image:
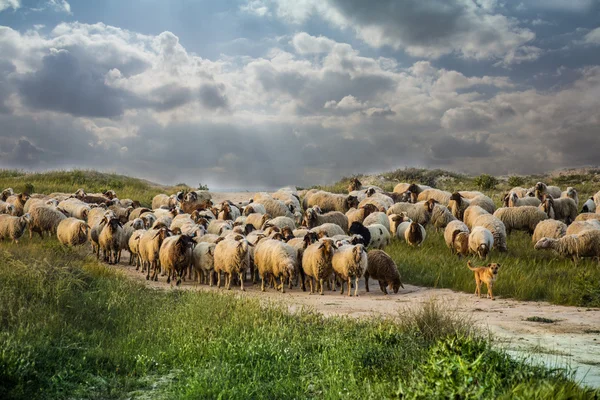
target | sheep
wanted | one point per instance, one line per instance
(96, 229)
(410, 187)
(359, 214)
(44, 219)
(587, 217)
(550, 228)
(542, 189)
(312, 219)
(331, 202)
(18, 201)
(280, 222)
(149, 247)
(480, 242)
(274, 207)
(415, 234)
(524, 218)
(563, 209)
(72, 232)
(277, 260)
(471, 214)
(110, 240)
(137, 212)
(395, 220)
(589, 206)
(75, 208)
(128, 229)
(134, 248)
(441, 216)
(316, 263)
(585, 244)
(441, 196)
(456, 236)
(289, 198)
(470, 194)
(521, 192)
(7, 208)
(231, 257)
(514, 200)
(596, 198)
(582, 226)
(458, 204)
(229, 212)
(121, 212)
(195, 200)
(349, 262)
(13, 227)
(175, 256)
(382, 268)
(6, 193)
(217, 227)
(257, 220)
(254, 208)
(378, 218)
(419, 212)
(496, 227)
(383, 199)
(328, 229)
(571, 193)
(376, 236)
(204, 262)
(149, 219)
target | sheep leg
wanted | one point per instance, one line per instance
(383, 288)
(282, 283)
(310, 281)
(321, 283)
(219, 279)
(241, 274)
(228, 280)
(356, 286)
(366, 281)
(349, 286)
(341, 282)
(262, 285)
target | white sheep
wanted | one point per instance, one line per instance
(380, 200)
(253, 208)
(280, 222)
(441, 216)
(75, 208)
(44, 219)
(415, 234)
(496, 227)
(441, 196)
(313, 218)
(542, 189)
(456, 236)
(585, 244)
(134, 248)
(128, 229)
(72, 232)
(330, 201)
(7, 208)
(563, 209)
(12, 227)
(378, 218)
(550, 228)
(204, 262)
(217, 226)
(111, 239)
(349, 262)
(395, 220)
(231, 257)
(419, 212)
(524, 218)
(316, 263)
(289, 197)
(589, 206)
(229, 212)
(481, 241)
(359, 214)
(257, 220)
(515, 201)
(149, 247)
(328, 230)
(458, 204)
(571, 192)
(587, 217)
(577, 227)
(277, 260)
(274, 207)
(380, 236)
(471, 214)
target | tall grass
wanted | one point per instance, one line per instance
(73, 328)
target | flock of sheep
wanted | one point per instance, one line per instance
(284, 240)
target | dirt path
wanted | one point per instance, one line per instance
(573, 340)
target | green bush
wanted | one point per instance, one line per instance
(486, 182)
(514, 181)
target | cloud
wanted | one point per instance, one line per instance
(592, 37)
(60, 6)
(6, 4)
(450, 147)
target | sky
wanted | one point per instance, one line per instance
(269, 93)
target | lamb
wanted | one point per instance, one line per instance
(550, 228)
(110, 240)
(331, 202)
(274, 207)
(456, 236)
(542, 189)
(496, 227)
(524, 218)
(458, 204)
(441, 216)
(175, 256)
(72, 232)
(563, 209)
(419, 212)
(515, 201)
(134, 248)
(312, 219)
(18, 201)
(471, 214)
(349, 262)
(441, 196)
(75, 208)
(480, 242)
(585, 244)
(254, 208)
(378, 218)
(571, 193)
(589, 206)
(382, 268)
(231, 257)
(328, 230)
(376, 236)
(316, 263)
(13, 227)
(44, 219)
(277, 260)
(204, 262)
(359, 214)
(587, 217)
(582, 226)
(415, 234)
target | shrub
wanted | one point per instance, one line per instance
(514, 181)
(202, 187)
(486, 182)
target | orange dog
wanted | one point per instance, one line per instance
(486, 274)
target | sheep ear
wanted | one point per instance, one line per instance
(321, 245)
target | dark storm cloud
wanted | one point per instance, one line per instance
(449, 148)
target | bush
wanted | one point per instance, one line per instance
(514, 181)
(486, 182)
(202, 187)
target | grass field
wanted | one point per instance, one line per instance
(73, 328)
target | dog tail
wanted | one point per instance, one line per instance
(470, 266)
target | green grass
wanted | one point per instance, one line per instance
(73, 328)
(91, 181)
(525, 274)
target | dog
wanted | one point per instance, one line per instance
(487, 274)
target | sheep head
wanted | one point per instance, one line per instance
(369, 209)
(355, 184)
(110, 194)
(6, 193)
(483, 250)
(548, 206)
(414, 188)
(310, 238)
(249, 209)
(457, 197)
(80, 194)
(351, 201)
(277, 236)
(114, 224)
(541, 187)
(430, 205)
(327, 248)
(310, 218)
(358, 252)
(370, 192)
(84, 213)
(545, 243)
(287, 233)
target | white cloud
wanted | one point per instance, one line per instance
(592, 37)
(60, 6)
(6, 4)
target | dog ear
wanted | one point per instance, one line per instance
(498, 265)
